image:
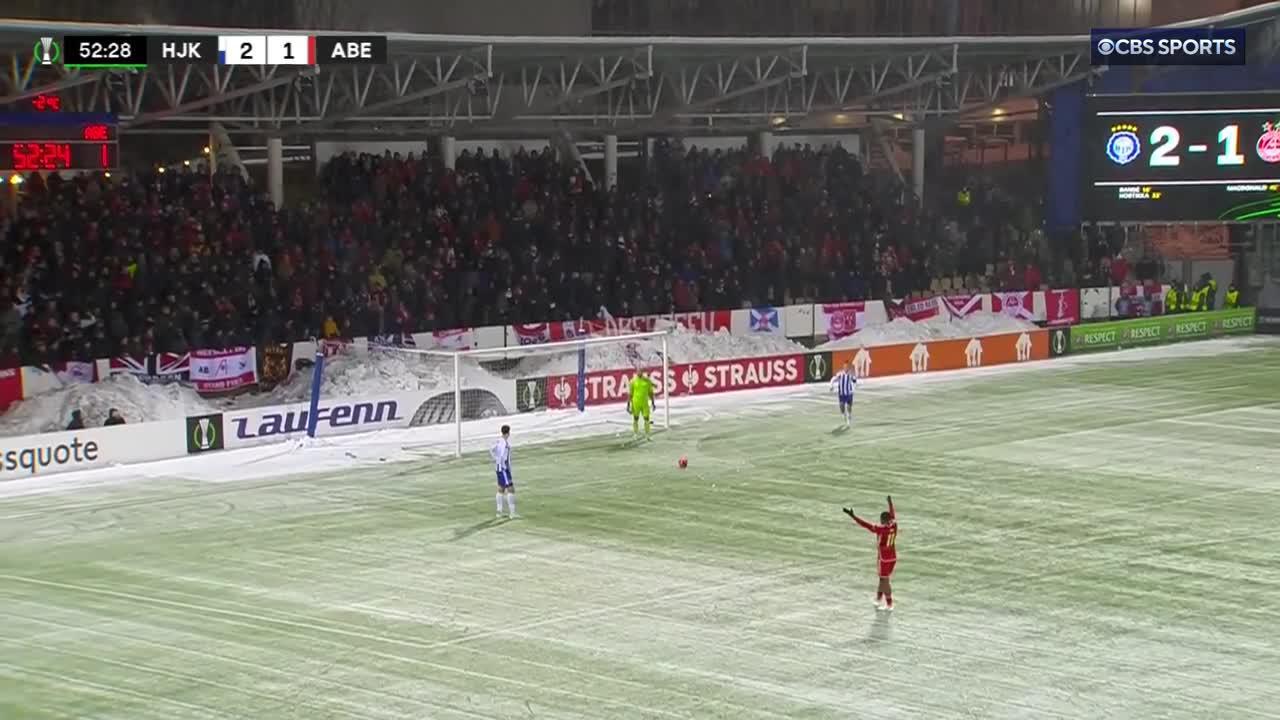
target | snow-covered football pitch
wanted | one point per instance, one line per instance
(1086, 538)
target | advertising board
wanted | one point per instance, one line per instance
(702, 378)
(922, 357)
(60, 452)
(698, 378)
(257, 426)
(1269, 321)
(1120, 334)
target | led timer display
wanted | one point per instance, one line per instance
(33, 156)
(58, 141)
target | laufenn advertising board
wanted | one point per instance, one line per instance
(60, 452)
(256, 426)
(1142, 332)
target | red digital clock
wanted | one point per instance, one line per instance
(32, 156)
(31, 142)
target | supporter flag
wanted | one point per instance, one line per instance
(392, 340)
(162, 367)
(334, 346)
(1014, 304)
(75, 372)
(10, 387)
(703, 322)
(962, 306)
(172, 367)
(461, 339)
(535, 334)
(1062, 307)
(765, 321)
(842, 319)
(1149, 297)
(223, 370)
(275, 364)
(129, 364)
(914, 310)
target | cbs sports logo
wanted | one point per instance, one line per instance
(1195, 46)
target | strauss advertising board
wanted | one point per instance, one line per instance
(698, 378)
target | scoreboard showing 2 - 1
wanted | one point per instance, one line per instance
(1178, 158)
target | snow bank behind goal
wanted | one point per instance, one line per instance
(478, 388)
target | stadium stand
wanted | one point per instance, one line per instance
(167, 261)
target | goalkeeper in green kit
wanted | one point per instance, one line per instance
(641, 402)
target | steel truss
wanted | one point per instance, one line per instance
(489, 86)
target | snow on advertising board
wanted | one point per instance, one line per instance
(60, 452)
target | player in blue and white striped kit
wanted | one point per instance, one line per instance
(844, 384)
(501, 454)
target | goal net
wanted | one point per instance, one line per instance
(548, 391)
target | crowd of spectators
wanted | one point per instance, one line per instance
(170, 261)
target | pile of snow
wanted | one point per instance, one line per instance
(683, 346)
(136, 401)
(902, 330)
(377, 373)
(369, 375)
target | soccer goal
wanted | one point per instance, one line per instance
(546, 391)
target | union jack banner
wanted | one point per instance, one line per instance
(161, 367)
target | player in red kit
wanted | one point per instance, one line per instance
(887, 541)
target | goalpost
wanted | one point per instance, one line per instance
(482, 385)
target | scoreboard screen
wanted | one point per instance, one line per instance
(58, 141)
(1178, 158)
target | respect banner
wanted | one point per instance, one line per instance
(1163, 329)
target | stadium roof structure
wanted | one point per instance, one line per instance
(494, 86)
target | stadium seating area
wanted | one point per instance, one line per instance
(168, 261)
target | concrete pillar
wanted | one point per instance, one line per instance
(449, 151)
(766, 143)
(275, 170)
(610, 162)
(917, 162)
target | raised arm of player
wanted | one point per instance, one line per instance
(869, 526)
(892, 514)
